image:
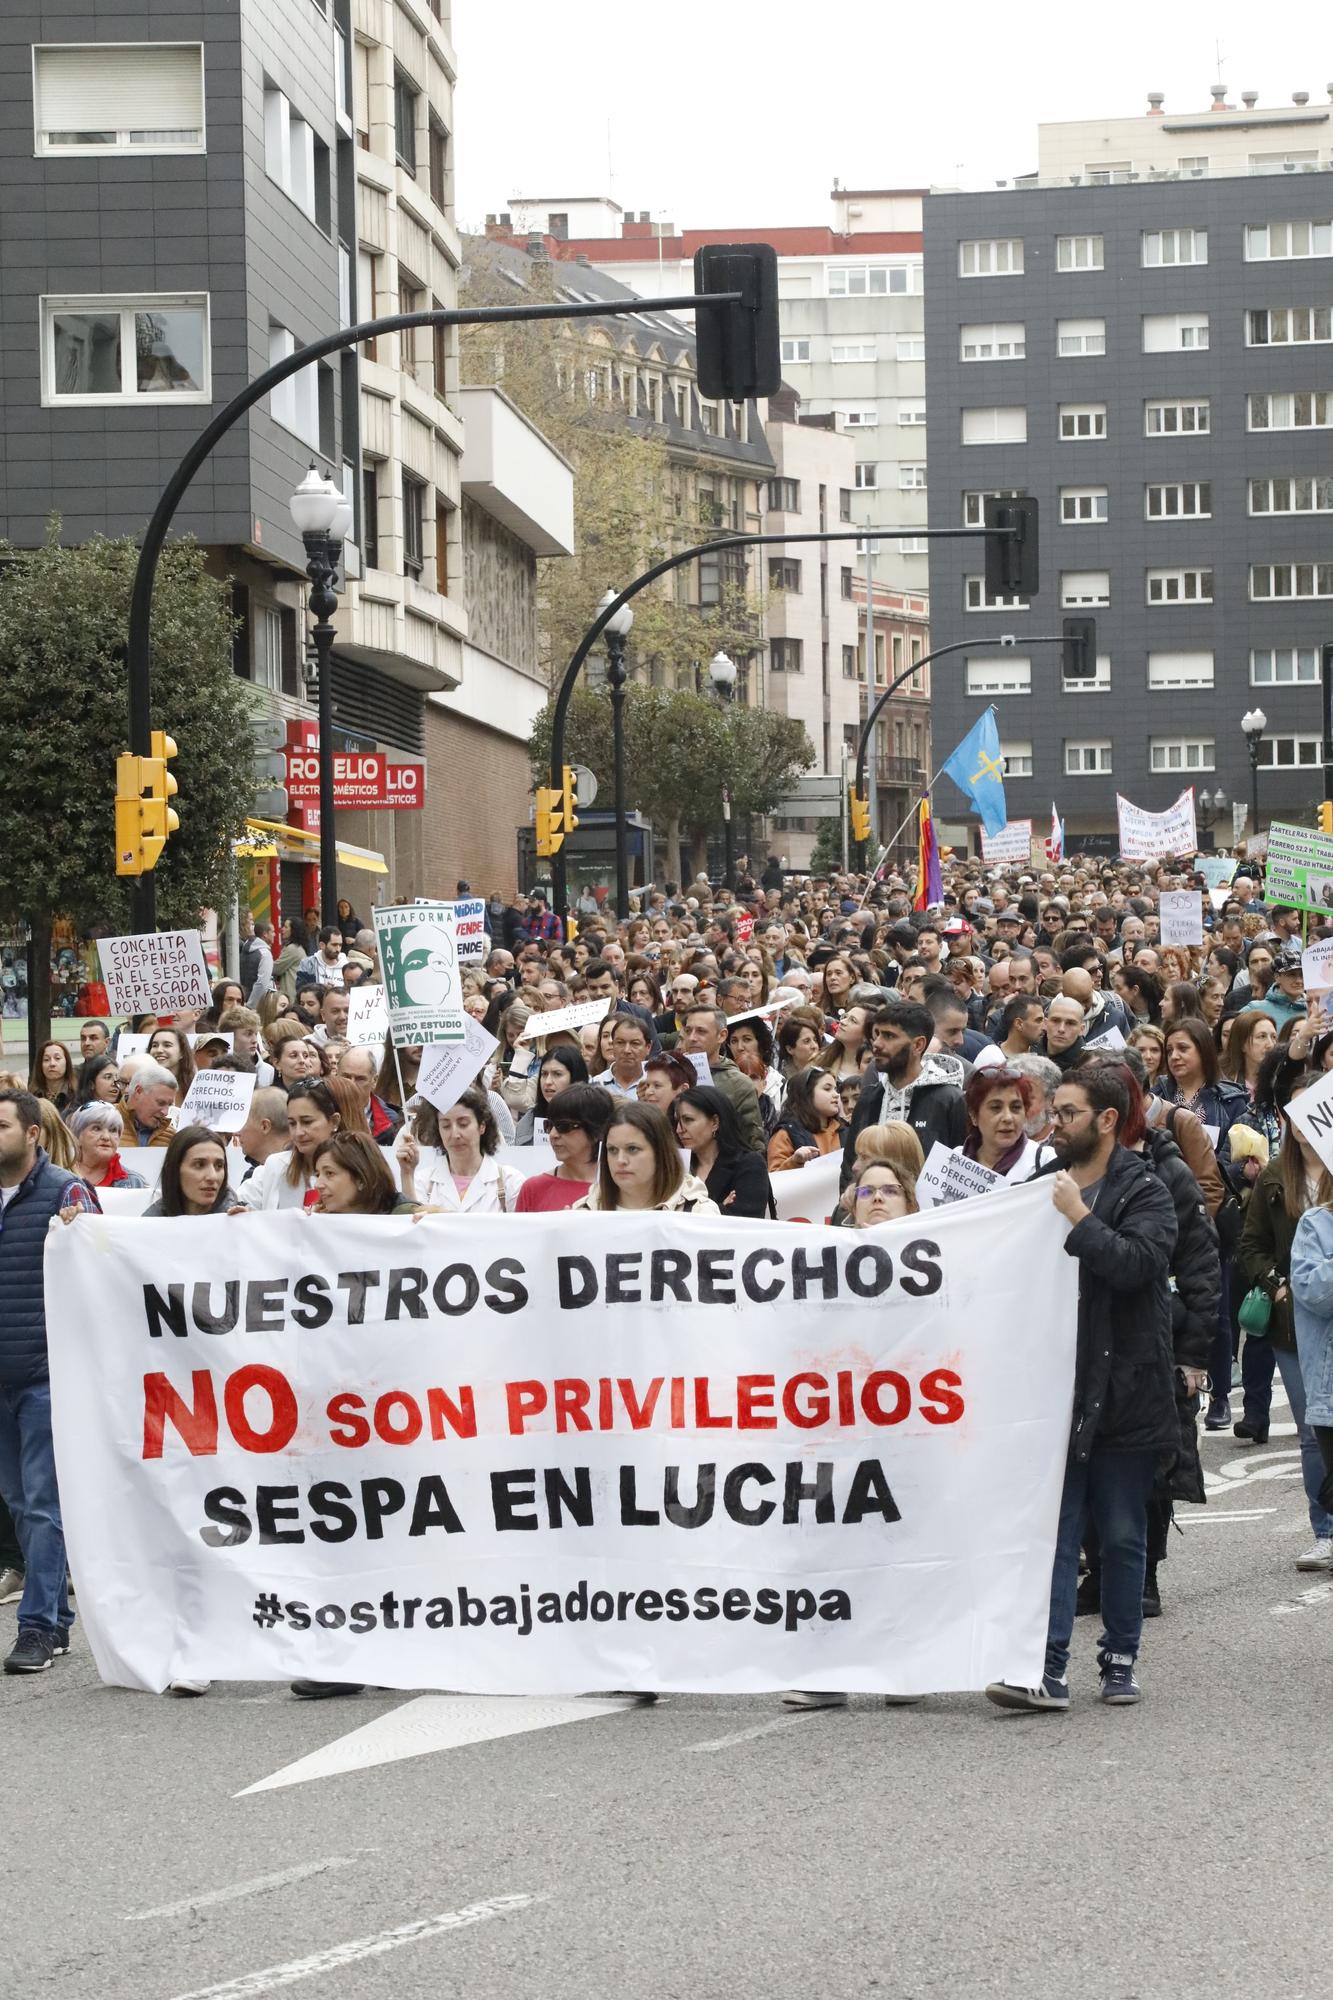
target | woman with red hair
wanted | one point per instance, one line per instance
(999, 1103)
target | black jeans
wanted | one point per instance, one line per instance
(11, 1556)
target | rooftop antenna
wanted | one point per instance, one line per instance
(1217, 51)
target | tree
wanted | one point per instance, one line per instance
(63, 702)
(680, 750)
(826, 855)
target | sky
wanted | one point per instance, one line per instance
(709, 113)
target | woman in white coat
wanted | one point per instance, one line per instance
(466, 1178)
(287, 1179)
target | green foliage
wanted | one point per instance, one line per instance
(680, 749)
(64, 613)
(826, 855)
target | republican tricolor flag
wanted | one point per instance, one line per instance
(929, 882)
(1055, 841)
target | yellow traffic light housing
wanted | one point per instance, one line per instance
(569, 818)
(144, 819)
(860, 815)
(1326, 816)
(550, 834)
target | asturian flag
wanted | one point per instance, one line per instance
(977, 768)
(1055, 841)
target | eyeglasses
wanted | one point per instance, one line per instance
(561, 1128)
(1064, 1116)
(864, 1193)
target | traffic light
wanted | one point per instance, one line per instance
(860, 815)
(569, 818)
(1326, 816)
(739, 354)
(1080, 653)
(1011, 559)
(144, 819)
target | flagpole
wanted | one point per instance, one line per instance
(891, 843)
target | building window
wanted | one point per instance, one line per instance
(1082, 421)
(1282, 326)
(1179, 586)
(1100, 683)
(1173, 417)
(784, 496)
(405, 95)
(1107, 173)
(867, 474)
(975, 598)
(1090, 758)
(439, 163)
(994, 342)
(993, 257)
(370, 515)
(1006, 673)
(858, 416)
(784, 656)
(1284, 666)
(441, 544)
(783, 573)
(1266, 242)
(845, 583)
(414, 526)
(1294, 410)
(1188, 499)
(912, 476)
(268, 650)
(1079, 337)
(1017, 759)
(911, 414)
(1291, 580)
(1080, 588)
(1299, 495)
(911, 347)
(912, 545)
(852, 350)
(845, 504)
(411, 299)
(114, 97)
(298, 403)
(126, 350)
(1174, 246)
(795, 350)
(1081, 506)
(1193, 164)
(849, 666)
(995, 426)
(1180, 670)
(861, 281)
(1079, 253)
(1289, 753)
(974, 504)
(1173, 333)
(1181, 753)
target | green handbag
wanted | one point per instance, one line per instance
(1256, 1309)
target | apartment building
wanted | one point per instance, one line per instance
(852, 326)
(1145, 351)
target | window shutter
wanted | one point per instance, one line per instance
(147, 91)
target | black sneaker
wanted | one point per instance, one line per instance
(1089, 1600)
(1152, 1596)
(1052, 1693)
(1118, 1685)
(60, 1642)
(1219, 1414)
(31, 1653)
(325, 1690)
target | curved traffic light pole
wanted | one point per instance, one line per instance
(938, 653)
(138, 657)
(559, 882)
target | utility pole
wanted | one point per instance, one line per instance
(872, 790)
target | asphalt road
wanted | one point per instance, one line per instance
(714, 1846)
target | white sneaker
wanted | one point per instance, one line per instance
(11, 1585)
(189, 1687)
(1319, 1557)
(813, 1698)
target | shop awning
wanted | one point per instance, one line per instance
(270, 839)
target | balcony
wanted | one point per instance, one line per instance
(898, 771)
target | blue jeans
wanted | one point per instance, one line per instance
(1256, 1375)
(1312, 1465)
(28, 1486)
(1111, 1490)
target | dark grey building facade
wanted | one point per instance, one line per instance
(1154, 361)
(172, 218)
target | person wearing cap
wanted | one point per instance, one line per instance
(958, 937)
(1285, 998)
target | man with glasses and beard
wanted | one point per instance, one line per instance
(1123, 1233)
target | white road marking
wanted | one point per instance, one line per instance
(251, 1985)
(1214, 1514)
(1306, 1600)
(748, 1735)
(252, 1888)
(433, 1722)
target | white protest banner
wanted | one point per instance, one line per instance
(1311, 1112)
(154, 972)
(218, 1098)
(759, 1013)
(367, 1017)
(470, 928)
(1146, 836)
(629, 1450)
(419, 959)
(447, 1068)
(131, 1045)
(1182, 916)
(1110, 1038)
(808, 1193)
(1317, 972)
(145, 1161)
(125, 1201)
(948, 1177)
(538, 1158)
(1012, 843)
(702, 1067)
(564, 1020)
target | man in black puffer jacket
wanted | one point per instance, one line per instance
(1123, 1234)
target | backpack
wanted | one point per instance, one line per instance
(249, 964)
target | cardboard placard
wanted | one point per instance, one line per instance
(1182, 916)
(218, 1098)
(564, 1019)
(367, 1017)
(948, 1176)
(154, 972)
(419, 959)
(447, 1068)
(470, 927)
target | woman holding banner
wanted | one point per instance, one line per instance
(467, 1179)
(352, 1178)
(735, 1177)
(98, 1133)
(641, 1167)
(194, 1175)
(999, 1103)
(576, 1121)
(286, 1179)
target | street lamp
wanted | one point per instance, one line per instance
(617, 630)
(722, 673)
(1253, 723)
(323, 519)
